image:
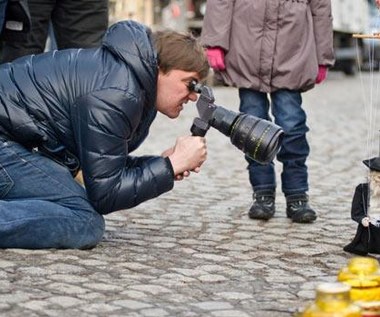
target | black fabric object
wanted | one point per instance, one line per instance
(374, 239)
(359, 245)
(359, 205)
(373, 164)
(17, 22)
(367, 239)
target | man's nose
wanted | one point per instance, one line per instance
(193, 96)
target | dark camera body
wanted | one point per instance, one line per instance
(258, 138)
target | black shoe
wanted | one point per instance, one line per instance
(263, 205)
(298, 209)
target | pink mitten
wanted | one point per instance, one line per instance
(322, 74)
(215, 56)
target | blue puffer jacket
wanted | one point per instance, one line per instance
(97, 104)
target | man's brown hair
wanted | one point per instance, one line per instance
(180, 51)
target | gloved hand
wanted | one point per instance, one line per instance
(215, 56)
(322, 74)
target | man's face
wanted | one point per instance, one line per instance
(173, 91)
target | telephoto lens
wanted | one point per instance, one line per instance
(257, 138)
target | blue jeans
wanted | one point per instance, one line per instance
(41, 205)
(286, 108)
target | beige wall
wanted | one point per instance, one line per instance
(138, 10)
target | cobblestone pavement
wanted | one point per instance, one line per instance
(193, 251)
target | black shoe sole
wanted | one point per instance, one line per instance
(260, 216)
(304, 218)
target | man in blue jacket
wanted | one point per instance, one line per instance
(89, 109)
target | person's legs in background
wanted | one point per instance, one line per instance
(288, 113)
(262, 177)
(35, 40)
(80, 23)
(76, 24)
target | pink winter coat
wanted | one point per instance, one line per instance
(270, 44)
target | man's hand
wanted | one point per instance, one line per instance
(188, 154)
(378, 3)
(178, 177)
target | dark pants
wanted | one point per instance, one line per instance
(286, 108)
(3, 6)
(76, 24)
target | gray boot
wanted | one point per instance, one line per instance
(263, 205)
(298, 209)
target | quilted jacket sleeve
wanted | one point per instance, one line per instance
(114, 180)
